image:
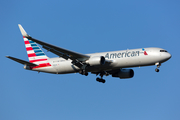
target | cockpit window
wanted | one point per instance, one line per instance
(163, 51)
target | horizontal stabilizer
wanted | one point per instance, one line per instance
(21, 61)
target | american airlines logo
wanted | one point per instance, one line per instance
(122, 54)
(145, 53)
(125, 54)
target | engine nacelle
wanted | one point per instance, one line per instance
(124, 73)
(97, 60)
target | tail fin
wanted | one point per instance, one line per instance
(35, 54)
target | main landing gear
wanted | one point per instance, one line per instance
(101, 75)
(83, 72)
(158, 65)
(100, 80)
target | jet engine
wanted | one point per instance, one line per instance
(124, 73)
(97, 60)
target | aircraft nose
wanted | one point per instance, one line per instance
(168, 56)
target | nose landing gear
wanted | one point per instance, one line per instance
(158, 65)
(157, 70)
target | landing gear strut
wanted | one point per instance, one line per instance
(101, 75)
(83, 72)
(158, 65)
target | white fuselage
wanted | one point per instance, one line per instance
(116, 60)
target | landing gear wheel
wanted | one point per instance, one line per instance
(86, 74)
(97, 79)
(100, 80)
(83, 72)
(80, 72)
(103, 81)
(157, 70)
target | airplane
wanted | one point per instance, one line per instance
(114, 63)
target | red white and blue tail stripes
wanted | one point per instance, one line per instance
(35, 54)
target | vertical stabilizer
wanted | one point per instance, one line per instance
(35, 54)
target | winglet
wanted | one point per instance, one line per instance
(23, 32)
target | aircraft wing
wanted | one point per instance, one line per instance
(21, 61)
(61, 52)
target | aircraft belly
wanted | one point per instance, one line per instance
(125, 62)
(149, 60)
(46, 69)
(135, 61)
